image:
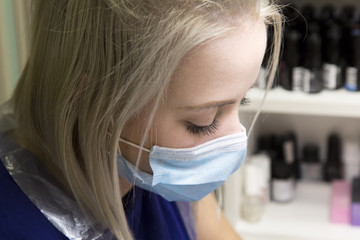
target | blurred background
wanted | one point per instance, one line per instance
(301, 177)
(300, 181)
(14, 38)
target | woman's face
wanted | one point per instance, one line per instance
(202, 101)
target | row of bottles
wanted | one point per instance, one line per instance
(272, 172)
(321, 50)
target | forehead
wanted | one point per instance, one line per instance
(222, 69)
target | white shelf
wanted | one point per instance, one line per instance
(340, 103)
(306, 218)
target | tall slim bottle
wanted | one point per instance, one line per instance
(290, 67)
(333, 168)
(352, 81)
(347, 20)
(331, 33)
(313, 74)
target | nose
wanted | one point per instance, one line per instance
(234, 124)
(238, 125)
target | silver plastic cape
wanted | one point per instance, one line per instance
(55, 204)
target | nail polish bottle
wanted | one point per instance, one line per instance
(331, 33)
(340, 202)
(351, 158)
(313, 74)
(352, 81)
(311, 166)
(293, 73)
(355, 202)
(252, 202)
(283, 174)
(290, 153)
(263, 161)
(291, 70)
(347, 20)
(283, 183)
(333, 168)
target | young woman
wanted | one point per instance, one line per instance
(127, 112)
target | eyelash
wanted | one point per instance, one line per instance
(213, 127)
(203, 130)
(245, 101)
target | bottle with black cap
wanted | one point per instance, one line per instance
(313, 74)
(291, 70)
(283, 183)
(347, 21)
(352, 81)
(291, 78)
(331, 33)
(289, 144)
(333, 168)
(311, 166)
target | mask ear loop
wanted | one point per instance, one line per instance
(134, 145)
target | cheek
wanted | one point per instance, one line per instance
(170, 132)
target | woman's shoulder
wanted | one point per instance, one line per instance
(33, 203)
(19, 217)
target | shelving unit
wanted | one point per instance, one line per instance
(306, 218)
(312, 117)
(339, 103)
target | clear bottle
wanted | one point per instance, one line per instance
(351, 158)
(252, 201)
(263, 161)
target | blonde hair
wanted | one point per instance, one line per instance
(94, 65)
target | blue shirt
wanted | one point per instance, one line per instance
(20, 219)
(149, 215)
(152, 217)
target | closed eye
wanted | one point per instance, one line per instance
(203, 130)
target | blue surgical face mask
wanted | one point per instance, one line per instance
(188, 174)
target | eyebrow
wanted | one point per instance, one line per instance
(214, 104)
(209, 105)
